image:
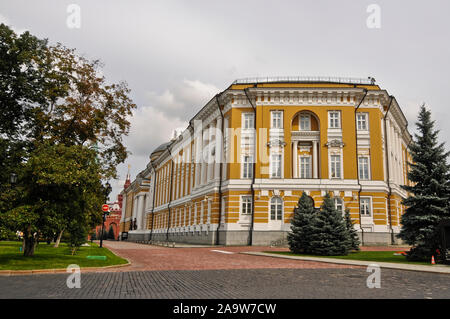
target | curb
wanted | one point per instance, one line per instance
(423, 268)
(57, 270)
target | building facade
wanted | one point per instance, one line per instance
(235, 175)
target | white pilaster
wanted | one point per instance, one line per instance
(315, 159)
(219, 147)
(295, 157)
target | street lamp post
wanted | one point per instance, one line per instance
(107, 191)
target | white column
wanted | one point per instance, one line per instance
(219, 149)
(315, 159)
(210, 164)
(138, 212)
(294, 157)
(202, 161)
(389, 149)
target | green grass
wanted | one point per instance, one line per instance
(48, 257)
(380, 256)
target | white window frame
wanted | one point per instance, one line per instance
(359, 121)
(332, 121)
(368, 206)
(335, 166)
(272, 165)
(277, 121)
(279, 205)
(247, 201)
(310, 166)
(363, 177)
(308, 128)
(247, 167)
(336, 204)
(248, 120)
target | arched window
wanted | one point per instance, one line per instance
(276, 208)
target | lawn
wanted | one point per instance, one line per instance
(376, 256)
(48, 257)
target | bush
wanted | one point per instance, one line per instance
(77, 235)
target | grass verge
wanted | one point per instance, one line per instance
(376, 256)
(48, 257)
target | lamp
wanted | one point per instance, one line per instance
(13, 178)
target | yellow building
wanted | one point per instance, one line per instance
(235, 175)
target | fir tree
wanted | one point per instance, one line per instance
(111, 234)
(353, 235)
(304, 215)
(428, 194)
(329, 236)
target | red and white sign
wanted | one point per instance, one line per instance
(105, 208)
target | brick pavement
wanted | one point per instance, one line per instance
(232, 283)
(149, 257)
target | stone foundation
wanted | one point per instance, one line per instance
(241, 238)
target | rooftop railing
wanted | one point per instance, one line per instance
(306, 79)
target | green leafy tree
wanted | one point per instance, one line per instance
(304, 215)
(429, 192)
(63, 186)
(329, 235)
(56, 105)
(81, 108)
(21, 87)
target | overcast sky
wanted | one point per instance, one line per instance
(175, 55)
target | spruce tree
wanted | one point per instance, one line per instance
(304, 214)
(429, 191)
(111, 234)
(353, 235)
(329, 236)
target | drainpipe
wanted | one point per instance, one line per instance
(170, 193)
(388, 170)
(220, 170)
(153, 201)
(357, 168)
(250, 241)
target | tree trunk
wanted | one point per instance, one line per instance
(30, 244)
(58, 240)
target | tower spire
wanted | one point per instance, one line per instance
(127, 180)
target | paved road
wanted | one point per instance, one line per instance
(236, 283)
(221, 272)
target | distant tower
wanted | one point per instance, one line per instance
(127, 180)
(125, 186)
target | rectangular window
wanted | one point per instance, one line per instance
(363, 165)
(305, 123)
(276, 208)
(335, 119)
(248, 120)
(276, 165)
(246, 205)
(361, 121)
(339, 204)
(335, 161)
(277, 119)
(364, 207)
(247, 169)
(305, 166)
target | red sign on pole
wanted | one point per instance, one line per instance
(105, 208)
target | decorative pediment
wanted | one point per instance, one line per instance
(276, 143)
(335, 143)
